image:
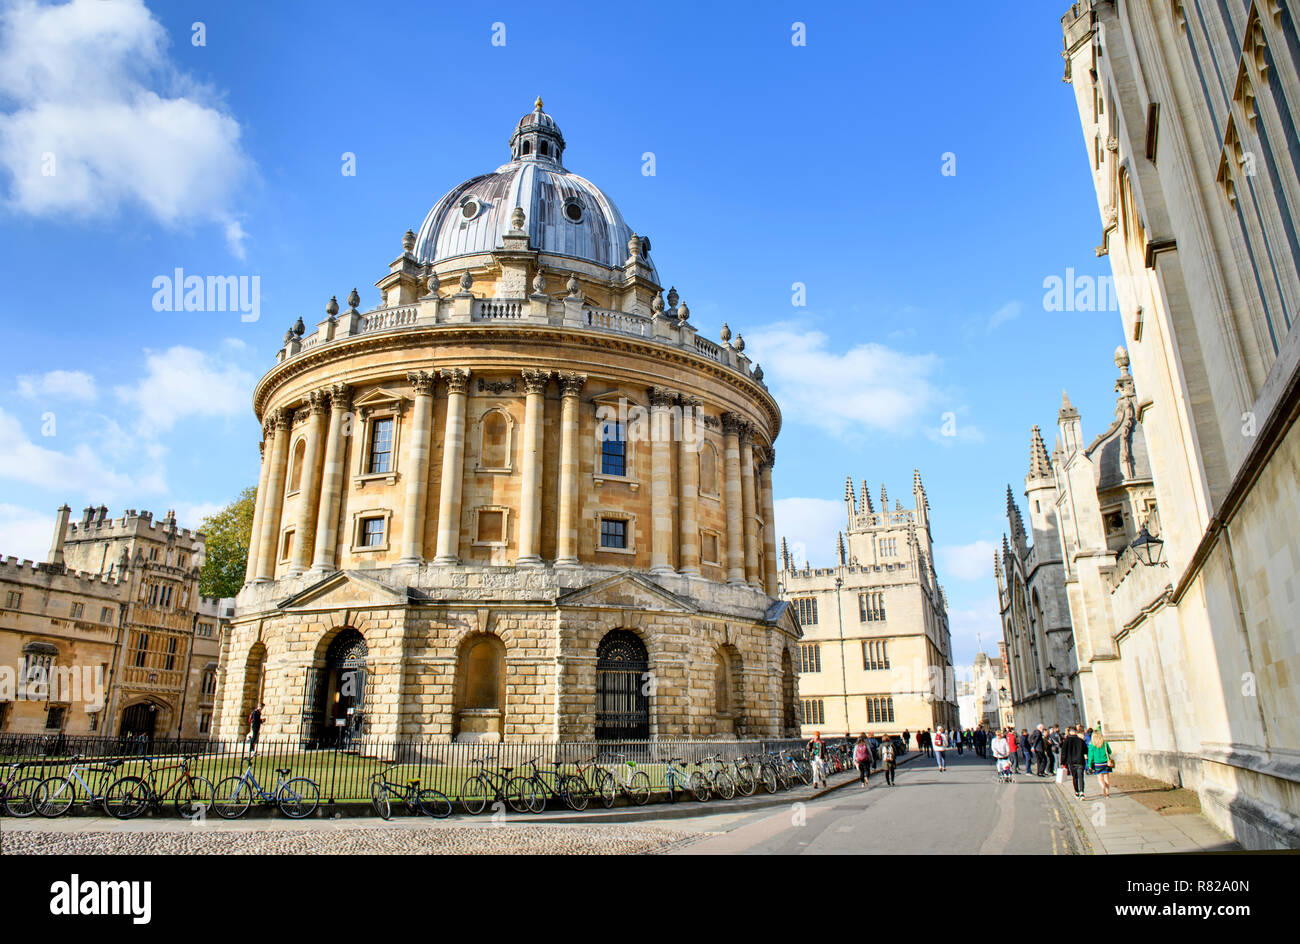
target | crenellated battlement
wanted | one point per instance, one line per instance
(52, 576)
(95, 525)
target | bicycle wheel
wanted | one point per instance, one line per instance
(803, 774)
(745, 782)
(770, 783)
(638, 788)
(126, 797)
(724, 786)
(53, 796)
(18, 798)
(474, 795)
(700, 787)
(379, 800)
(576, 793)
(194, 799)
(606, 788)
(434, 804)
(298, 797)
(232, 797)
(524, 796)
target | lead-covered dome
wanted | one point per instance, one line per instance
(566, 215)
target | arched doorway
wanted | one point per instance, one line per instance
(336, 693)
(789, 695)
(140, 719)
(728, 696)
(254, 684)
(622, 705)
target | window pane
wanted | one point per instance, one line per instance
(381, 446)
(613, 450)
(613, 532)
(372, 532)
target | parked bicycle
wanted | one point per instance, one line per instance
(720, 781)
(551, 783)
(492, 785)
(428, 801)
(55, 795)
(297, 797)
(128, 796)
(679, 778)
(742, 773)
(621, 776)
(16, 791)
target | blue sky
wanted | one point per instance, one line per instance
(775, 163)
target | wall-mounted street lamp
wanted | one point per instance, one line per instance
(1147, 549)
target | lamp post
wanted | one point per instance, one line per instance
(1003, 699)
(844, 673)
(1147, 549)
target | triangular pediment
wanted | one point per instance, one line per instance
(345, 588)
(781, 614)
(380, 397)
(628, 590)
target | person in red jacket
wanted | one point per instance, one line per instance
(1014, 744)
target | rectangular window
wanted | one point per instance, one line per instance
(613, 532)
(875, 655)
(141, 649)
(613, 449)
(709, 547)
(77, 610)
(491, 526)
(806, 609)
(810, 658)
(14, 600)
(381, 446)
(372, 532)
(171, 653)
(106, 614)
(286, 548)
(813, 711)
(205, 722)
(54, 718)
(880, 709)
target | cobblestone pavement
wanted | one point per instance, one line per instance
(1120, 825)
(355, 838)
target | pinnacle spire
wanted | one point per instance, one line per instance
(866, 498)
(1040, 466)
(839, 548)
(884, 498)
(1067, 408)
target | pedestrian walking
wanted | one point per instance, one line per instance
(1014, 744)
(888, 757)
(907, 740)
(255, 727)
(817, 751)
(862, 757)
(1101, 758)
(873, 749)
(940, 742)
(1038, 743)
(1074, 757)
(1001, 750)
(1027, 750)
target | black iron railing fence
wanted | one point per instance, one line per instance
(344, 774)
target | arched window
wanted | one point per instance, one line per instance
(295, 470)
(708, 470)
(528, 147)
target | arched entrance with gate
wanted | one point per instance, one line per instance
(335, 698)
(622, 704)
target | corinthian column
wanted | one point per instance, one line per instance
(453, 467)
(530, 496)
(769, 519)
(566, 537)
(417, 472)
(309, 485)
(749, 504)
(661, 480)
(731, 426)
(259, 503)
(327, 521)
(688, 473)
(274, 503)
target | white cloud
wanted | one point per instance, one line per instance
(810, 526)
(182, 382)
(80, 471)
(972, 561)
(975, 627)
(98, 117)
(1008, 312)
(57, 384)
(866, 387)
(25, 533)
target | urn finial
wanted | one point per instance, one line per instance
(725, 334)
(408, 241)
(354, 299)
(332, 308)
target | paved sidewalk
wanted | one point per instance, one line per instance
(1120, 825)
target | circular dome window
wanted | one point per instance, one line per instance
(469, 209)
(573, 211)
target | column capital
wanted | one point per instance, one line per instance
(746, 433)
(571, 383)
(318, 402)
(422, 381)
(688, 402)
(766, 457)
(661, 397)
(341, 396)
(457, 379)
(733, 424)
(283, 418)
(535, 380)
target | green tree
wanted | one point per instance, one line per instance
(228, 533)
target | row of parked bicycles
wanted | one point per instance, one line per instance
(602, 778)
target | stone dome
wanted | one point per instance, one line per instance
(566, 215)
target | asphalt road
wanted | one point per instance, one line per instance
(962, 812)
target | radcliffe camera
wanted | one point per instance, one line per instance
(691, 430)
